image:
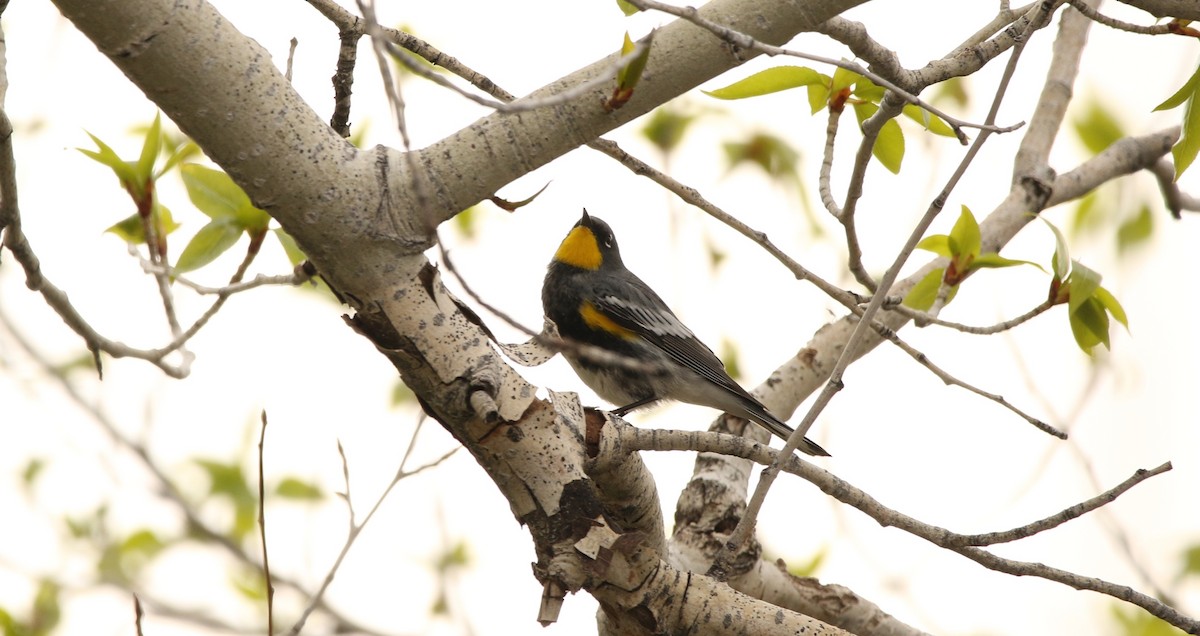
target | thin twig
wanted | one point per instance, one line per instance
(165, 487)
(262, 528)
(602, 78)
(632, 438)
(825, 177)
(291, 58)
(395, 100)
(343, 80)
(888, 109)
(693, 197)
(744, 41)
(182, 338)
(298, 277)
(1004, 17)
(850, 351)
(922, 359)
(1175, 199)
(1065, 515)
(357, 528)
(922, 318)
(17, 243)
(1096, 16)
(138, 613)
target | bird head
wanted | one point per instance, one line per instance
(589, 245)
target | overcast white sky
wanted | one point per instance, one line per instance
(925, 449)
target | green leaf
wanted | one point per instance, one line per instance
(218, 197)
(1062, 256)
(1135, 231)
(810, 567)
(131, 230)
(251, 584)
(228, 480)
(952, 90)
(358, 138)
(210, 242)
(1185, 92)
(47, 612)
(992, 260)
(628, 75)
(965, 235)
(843, 79)
(292, 488)
(937, 243)
(715, 254)
(225, 479)
(33, 468)
(1082, 284)
(772, 80)
(867, 90)
(1133, 621)
(151, 146)
(182, 152)
(1090, 213)
(774, 155)
(123, 561)
(924, 293)
(1112, 305)
(401, 394)
(1191, 562)
(142, 542)
(729, 356)
(1089, 325)
(108, 157)
(457, 556)
(1097, 128)
(466, 221)
(294, 253)
(818, 95)
(665, 128)
(626, 8)
(1184, 151)
(889, 144)
(295, 257)
(931, 122)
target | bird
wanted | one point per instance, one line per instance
(593, 299)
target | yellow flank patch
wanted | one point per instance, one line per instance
(580, 250)
(596, 320)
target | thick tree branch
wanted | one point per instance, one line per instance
(1186, 9)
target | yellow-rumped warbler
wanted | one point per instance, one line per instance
(595, 300)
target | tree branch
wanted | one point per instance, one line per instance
(623, 438)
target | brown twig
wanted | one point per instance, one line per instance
(262, 528)
(850, 351)
(138, 613)
(632, 438)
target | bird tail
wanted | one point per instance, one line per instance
(777, 428)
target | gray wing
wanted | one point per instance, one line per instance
(641, 311)
(645, 314)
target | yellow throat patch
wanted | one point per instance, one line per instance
(580, 250)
